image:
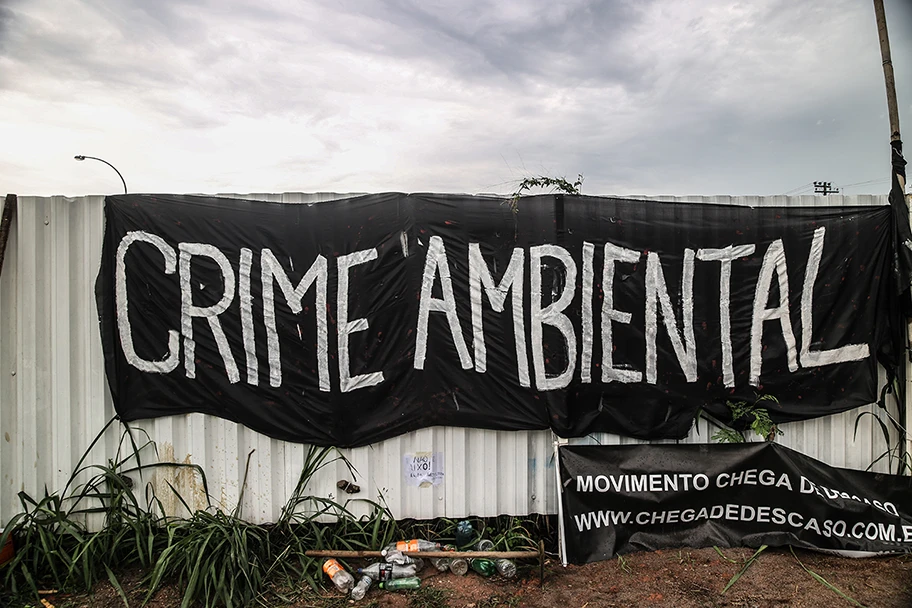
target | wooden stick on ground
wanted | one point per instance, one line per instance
(466, 554)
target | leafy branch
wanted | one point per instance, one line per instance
(749, 415)
(553, 184)
(556, 184)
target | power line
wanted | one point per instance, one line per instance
(803, 191)
(795, 190)
(867, 183)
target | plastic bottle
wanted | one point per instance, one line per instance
(399, 558)
(383, 572)
(484, 545)
(482, 566)
(506, 568)
(464, 533)
(412, 582)
(459, 565)
(340, 578)
(443, 563)
(412, 546)
(361, 588)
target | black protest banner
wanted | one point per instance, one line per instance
(620, 499)
(348, 322)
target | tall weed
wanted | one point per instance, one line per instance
(53, 544)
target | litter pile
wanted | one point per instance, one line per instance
(400, 565)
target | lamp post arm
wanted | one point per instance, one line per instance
(83, 156)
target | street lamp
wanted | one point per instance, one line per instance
(83, 157)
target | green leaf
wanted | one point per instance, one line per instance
(825, 582)
(723, 556)
(743, 569)
(116, 584)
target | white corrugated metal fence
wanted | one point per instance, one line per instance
(54, 400)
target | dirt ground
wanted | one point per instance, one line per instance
(681, 578)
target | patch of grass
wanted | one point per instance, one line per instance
(54, 547)
(498, 601)
(428, 597)
(685, 557)
(216, 558)
(330, 601)
(624, 564)
(299, 527)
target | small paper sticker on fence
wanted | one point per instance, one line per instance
(423, 469)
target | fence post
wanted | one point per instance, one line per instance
(9, 209)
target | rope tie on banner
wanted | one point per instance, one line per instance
(887, 388)
(882, 402)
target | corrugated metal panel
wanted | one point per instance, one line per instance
(54, 400)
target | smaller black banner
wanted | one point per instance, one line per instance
(620, 499)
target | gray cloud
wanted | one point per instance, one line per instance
(505, 44)
(6, 20)
(656, 96)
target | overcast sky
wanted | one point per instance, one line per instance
(640, 97)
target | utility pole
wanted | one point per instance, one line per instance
(825, 188)
(899, 185)
(889, 79)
